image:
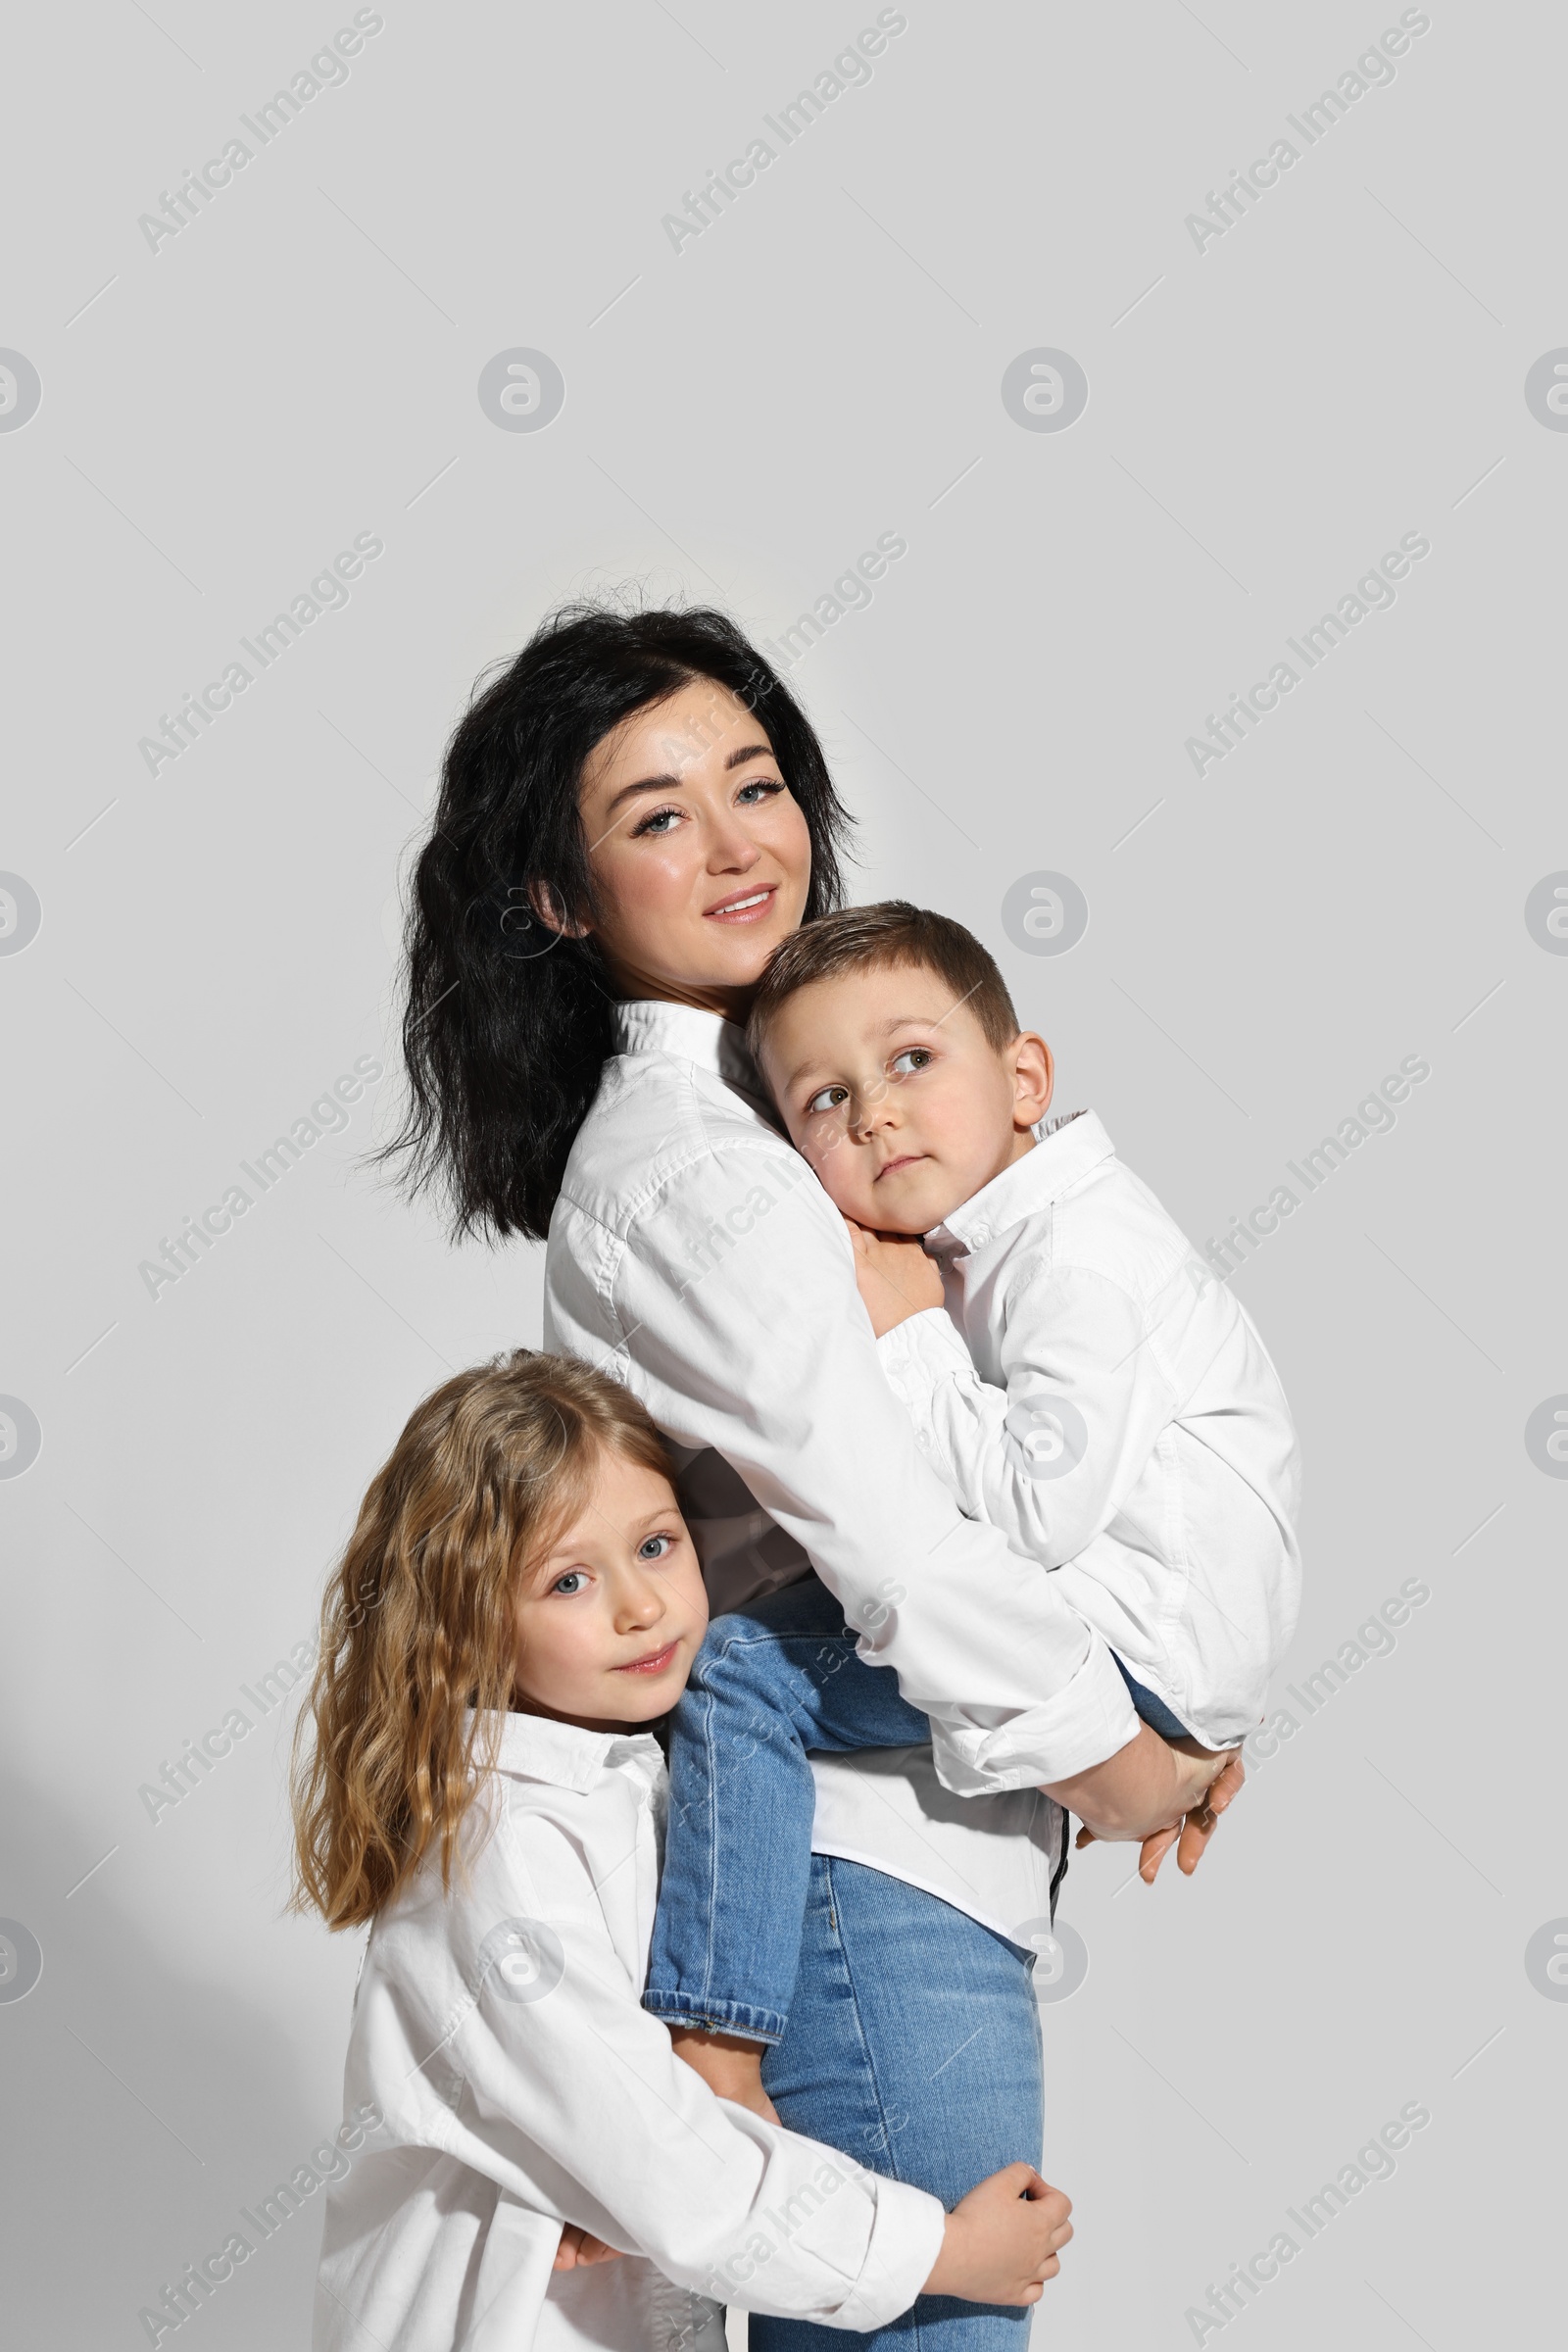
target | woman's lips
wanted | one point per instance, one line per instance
(744, 906)
(653, 1663)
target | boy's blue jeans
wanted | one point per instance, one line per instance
(771, 1683)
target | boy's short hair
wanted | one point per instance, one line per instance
(881, 937)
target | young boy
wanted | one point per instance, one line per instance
(1077, 1376)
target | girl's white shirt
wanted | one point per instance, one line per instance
(498, 2032)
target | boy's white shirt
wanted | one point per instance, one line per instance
(498, 2032)
(1094, 1391)
(693, 1255)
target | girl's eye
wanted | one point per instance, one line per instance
(659, 823)
(916, 1058)
(655, 1547)
(764, 786)
(572, 1581)
(831, 1097)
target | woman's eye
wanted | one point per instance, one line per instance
(572, 1581)
(831, 1097)
(659, 823)
(916, 1059)
(764, 786)
(655, 1547)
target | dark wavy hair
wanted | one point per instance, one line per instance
(506, 1022)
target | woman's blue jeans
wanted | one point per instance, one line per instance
(912, 2044)
(903, 2032)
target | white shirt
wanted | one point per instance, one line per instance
(499, 2032)
(695, 1256)
(1110, 1407)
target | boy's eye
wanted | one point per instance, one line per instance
(655, 1547)
(572, 1581)
(914, 1058)
(830, 1098)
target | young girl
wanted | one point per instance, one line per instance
(520, 1601)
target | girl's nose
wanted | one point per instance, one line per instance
(641, 1603)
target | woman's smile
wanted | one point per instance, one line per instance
(741, 907)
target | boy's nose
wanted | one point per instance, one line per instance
(875, 1107)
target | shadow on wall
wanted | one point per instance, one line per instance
(157, 2108)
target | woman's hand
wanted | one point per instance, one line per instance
(1190, 1838)
(1147, 1787)
(894, 1275)
(1002, 2239)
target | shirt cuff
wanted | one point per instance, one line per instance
(905, 2241)
(920, 1351)
(1088, 1721)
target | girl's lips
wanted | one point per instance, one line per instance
(653, 1663)
(743, 905)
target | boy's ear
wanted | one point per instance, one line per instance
(1034, 1078)
(548, 908)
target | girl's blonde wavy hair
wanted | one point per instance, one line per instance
(418, 1621)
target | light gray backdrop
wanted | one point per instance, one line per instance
(197, 947)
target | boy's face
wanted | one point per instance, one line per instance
(609, 1622)
(894, 1094)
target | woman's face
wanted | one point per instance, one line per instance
(699, 853)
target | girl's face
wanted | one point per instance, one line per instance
(699, 852)
(608, 1623)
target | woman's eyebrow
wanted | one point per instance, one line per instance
(671, 783)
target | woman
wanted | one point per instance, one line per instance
(632, 816)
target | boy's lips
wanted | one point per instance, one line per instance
(744, 906)
(655, 1662)
(891, 1167)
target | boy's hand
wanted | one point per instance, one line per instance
(1002, 2239)
(894, 1275)
(578, 2246)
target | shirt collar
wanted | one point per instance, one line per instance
(1064, 1154)
(538, 1748)
(651, 1025)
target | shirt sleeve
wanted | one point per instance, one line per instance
(574, 2102)
(1051, 1459)
(731, 1309)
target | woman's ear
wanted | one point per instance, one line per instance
(546, 903)
(1034, 1078)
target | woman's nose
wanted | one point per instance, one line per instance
(731, 848)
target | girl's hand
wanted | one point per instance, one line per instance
(894, 1275)
(579, 2246)
(1002, 2239)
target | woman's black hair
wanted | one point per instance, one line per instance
(506, 1022)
